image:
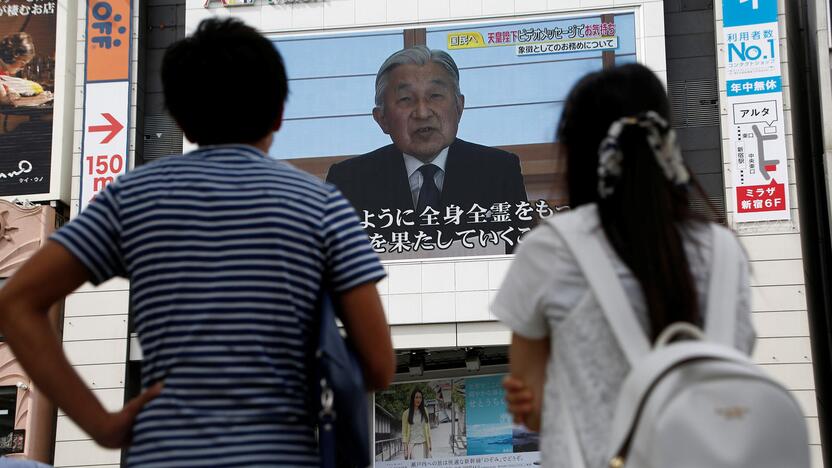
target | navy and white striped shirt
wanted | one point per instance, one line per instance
(225, 250)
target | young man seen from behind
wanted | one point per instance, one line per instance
(226, 251)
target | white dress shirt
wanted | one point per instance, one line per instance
(414, 177)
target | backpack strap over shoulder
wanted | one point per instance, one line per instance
(586, 247)
(721, 315)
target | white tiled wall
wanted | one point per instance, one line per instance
(95, 341)
(442, 291)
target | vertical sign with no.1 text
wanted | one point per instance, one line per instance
(755, 110)
(106, 96)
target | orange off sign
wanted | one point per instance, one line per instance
(108, 40)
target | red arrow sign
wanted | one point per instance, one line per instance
(114, 127)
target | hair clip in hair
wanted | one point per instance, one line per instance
(662, 141)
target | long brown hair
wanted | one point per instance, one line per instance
(421, 406)
(641, 218)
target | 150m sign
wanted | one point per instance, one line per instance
(101, 167)
(106, 97)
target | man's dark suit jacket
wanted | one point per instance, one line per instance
(474, 174)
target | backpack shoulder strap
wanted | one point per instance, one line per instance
(585, 245)
(721, 316)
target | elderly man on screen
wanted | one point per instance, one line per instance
(419, 104)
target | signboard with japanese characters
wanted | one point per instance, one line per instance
(27, 86)
(755, 110)
(575, 37)
(104, 151)
(472, 170)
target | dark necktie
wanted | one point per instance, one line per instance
(429, 193)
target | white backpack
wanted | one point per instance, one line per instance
(694, 403)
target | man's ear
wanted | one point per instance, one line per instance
(460, 102)
(378, 116)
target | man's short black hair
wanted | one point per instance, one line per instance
(226, 83)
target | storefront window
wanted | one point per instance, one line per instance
(11, 440)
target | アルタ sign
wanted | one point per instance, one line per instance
(755, 110)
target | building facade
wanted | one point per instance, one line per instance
(436, 302)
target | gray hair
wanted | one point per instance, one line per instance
(416, 55)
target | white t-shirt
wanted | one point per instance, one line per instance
(544, 285)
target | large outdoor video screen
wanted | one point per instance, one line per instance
(496, 170)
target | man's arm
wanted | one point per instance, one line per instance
(363, 317)
(50, 275)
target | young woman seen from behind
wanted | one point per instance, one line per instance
(628, 183)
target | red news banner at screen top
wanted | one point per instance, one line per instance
(106, 96)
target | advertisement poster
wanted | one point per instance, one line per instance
(755, 110)
(495, 172)
(104, 150)
(27, 84)
(450, 422)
